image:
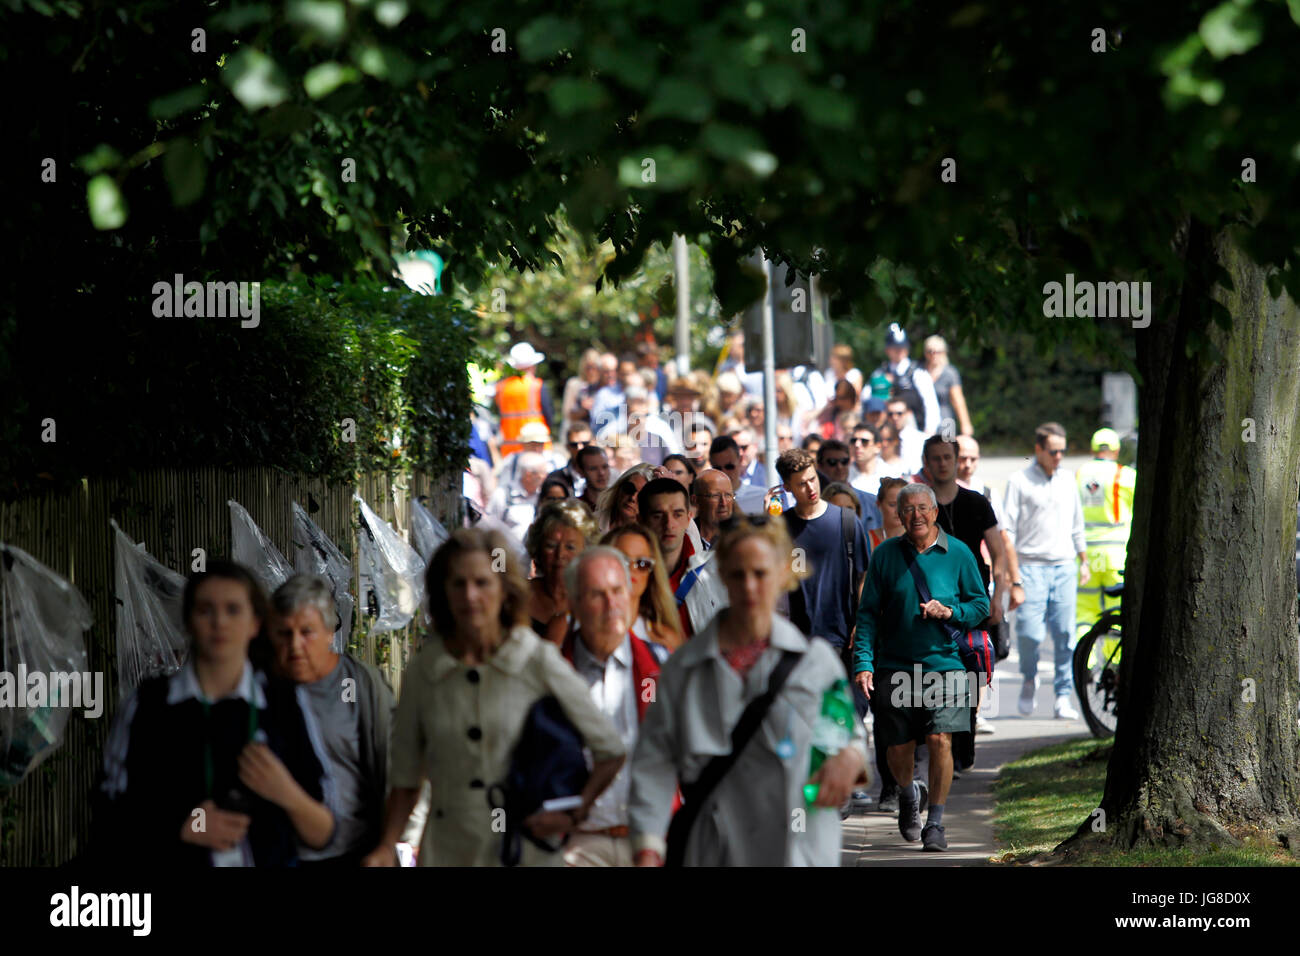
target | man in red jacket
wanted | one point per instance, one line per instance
(621, 670)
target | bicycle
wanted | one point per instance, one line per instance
(1096, 669)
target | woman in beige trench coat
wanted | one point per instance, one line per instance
(465, 697)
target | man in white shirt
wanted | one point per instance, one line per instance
(652, 435)
(1044, 523)
(910, 438)
(620, 670)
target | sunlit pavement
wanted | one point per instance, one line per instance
(872, 838)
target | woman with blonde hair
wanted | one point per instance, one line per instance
(737, 812)
(466, 697)
(617, 503)
(559, 533)
(658, 619)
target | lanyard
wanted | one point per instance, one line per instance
(208, 772)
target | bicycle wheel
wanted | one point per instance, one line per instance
(1096, 675)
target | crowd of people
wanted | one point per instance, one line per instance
(648, 601)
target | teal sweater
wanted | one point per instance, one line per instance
(891, 633)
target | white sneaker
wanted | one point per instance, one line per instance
(983, 726)
(1026, 703)
(1063, 709)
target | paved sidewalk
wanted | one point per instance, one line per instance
(872, 838)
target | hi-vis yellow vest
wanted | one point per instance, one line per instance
(1106, 489)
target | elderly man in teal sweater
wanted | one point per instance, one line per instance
(904, 654)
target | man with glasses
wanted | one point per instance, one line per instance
(1044, 522)
(910, 438)
(784, 438)
(833, 461)
(714, 502)
(579, 438)
(900, 639)
(724, 455)
(533, 438)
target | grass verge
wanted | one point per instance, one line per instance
(1044, 796)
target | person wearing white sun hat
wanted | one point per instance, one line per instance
(523, 398)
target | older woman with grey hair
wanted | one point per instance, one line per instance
(353, 706)
(559, 533)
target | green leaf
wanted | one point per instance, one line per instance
(391, 12)
(324, 18)
(569, 95)
(105, 202)
(1294, 7)
(324, 78)
(255, 79)
(240, 16)
(1229, 29)
(100, 158)
(546, 37)
(680, 99)
(186, 170)
(182, 101)
(829, 108)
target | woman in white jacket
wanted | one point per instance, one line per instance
(757, 814)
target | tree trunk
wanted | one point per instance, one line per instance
(1206, 749)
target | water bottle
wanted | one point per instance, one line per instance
(832, 732)
(774, 507)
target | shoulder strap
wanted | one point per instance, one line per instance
(847, 521)
(697, 793)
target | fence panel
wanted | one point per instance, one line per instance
(45, 821)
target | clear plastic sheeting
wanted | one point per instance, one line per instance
(392, 574)
(43, 620)
(314, 553)
(150, 633)
(254, 550)
(427, 532)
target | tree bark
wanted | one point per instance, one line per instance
(1206, 748)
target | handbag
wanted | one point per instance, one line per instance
(696, 794)
(973, 647)
(547, 762)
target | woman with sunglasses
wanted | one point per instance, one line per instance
(617, 504)
(658, 620)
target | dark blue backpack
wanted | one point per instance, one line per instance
(547, 762)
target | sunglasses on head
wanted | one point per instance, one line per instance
(835, 462)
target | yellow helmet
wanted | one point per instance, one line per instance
(1105, 439)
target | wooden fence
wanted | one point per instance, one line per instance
(45, 821)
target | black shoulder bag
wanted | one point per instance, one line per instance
(695, 795)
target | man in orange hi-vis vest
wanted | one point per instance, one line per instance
(522, 398)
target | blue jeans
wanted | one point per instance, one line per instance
(1050, 593)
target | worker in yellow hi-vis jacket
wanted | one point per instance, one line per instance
(1106, 489)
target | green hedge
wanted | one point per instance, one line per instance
(129, 391)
